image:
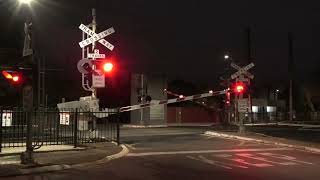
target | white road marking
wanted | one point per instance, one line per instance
(206, 151)
(251, 164)
(285, 157)
(251, 156)
(204, 160)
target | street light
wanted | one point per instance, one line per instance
(25, 1)
(226, 57)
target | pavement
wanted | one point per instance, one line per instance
(59, 157)
(186, 153)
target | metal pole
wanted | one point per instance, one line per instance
(27, 156)
(118, 129)
(142, 99)
(75, 135)
(38, 61)
(241, 117)
(249, 58)
(94, 27)
(290, 68)
(1, 112)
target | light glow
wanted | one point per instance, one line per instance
(6, 75)
(107, 67)
(239, 88)
(15, 78)
(25, 1)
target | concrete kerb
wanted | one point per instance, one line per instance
(122, 153)
(223, 135)
(53, 168)
(143, 126)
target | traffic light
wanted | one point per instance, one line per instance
(12, 76)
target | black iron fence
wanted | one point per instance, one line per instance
(54, 127)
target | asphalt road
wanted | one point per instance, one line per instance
(180, 153)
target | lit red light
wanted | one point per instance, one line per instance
(107, 67)
(239, 88)
(15, 78)
(6, 75)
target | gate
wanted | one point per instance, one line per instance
(51, 127)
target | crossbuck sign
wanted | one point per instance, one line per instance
(96, 37)
(242, 71)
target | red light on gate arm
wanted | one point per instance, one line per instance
(107, 67)
(15, 78)
(6, 75)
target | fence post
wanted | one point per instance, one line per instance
(75, 130)
(1, 111)
(118, 128)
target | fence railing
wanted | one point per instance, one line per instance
(54, 127)
(270, 117)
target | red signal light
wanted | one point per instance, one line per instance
(6, 75)
(15, 78)
(239, 88)
(107, 67)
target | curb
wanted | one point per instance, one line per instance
(46, 151)
(144, 126)
(120, 154)
(223, 135)
(53, 168)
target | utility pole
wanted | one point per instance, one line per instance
(290, 69)
(249, 60)
(142, 99)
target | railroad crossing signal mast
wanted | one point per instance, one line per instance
(242, 105)
(87, 64)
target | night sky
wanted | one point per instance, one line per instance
(181, 39)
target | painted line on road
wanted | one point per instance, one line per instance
(206, 151)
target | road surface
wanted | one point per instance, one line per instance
(186, 154)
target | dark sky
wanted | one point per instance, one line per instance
(185, 39)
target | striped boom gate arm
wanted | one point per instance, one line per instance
(170, 101)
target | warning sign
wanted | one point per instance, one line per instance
(243, 105)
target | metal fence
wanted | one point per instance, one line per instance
(271, 117)
(53, 127)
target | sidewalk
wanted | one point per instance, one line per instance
(232, 133)
(61, 160)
